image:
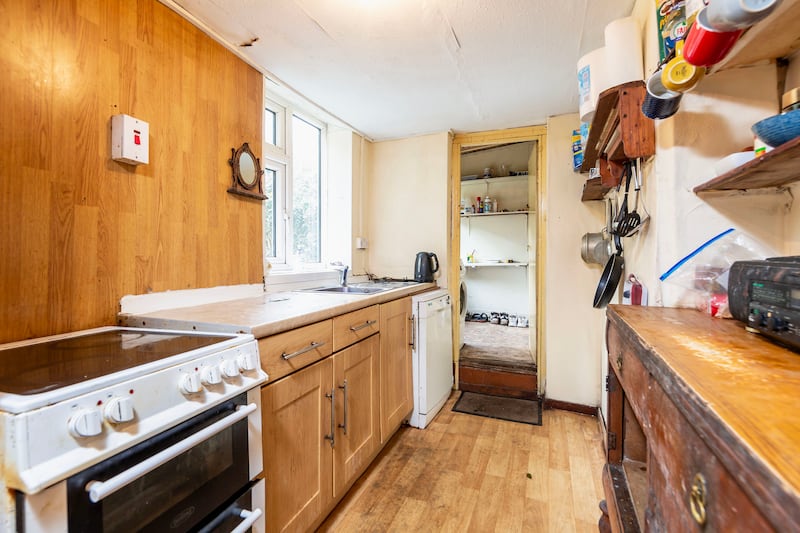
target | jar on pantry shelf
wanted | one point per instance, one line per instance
(487, 205)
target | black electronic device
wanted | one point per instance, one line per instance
(765, 295)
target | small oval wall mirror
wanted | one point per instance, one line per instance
(246, 173)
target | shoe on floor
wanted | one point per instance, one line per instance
(495, 318)
(512, 321)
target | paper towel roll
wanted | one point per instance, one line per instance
(591, 81)
(623, 52)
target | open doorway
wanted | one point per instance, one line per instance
(495, 250)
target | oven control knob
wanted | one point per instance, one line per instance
(247, 362)
(211, 375)
(119, 410)
(86, 423)
(230, 368)
(190, 383)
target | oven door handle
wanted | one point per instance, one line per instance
(99, 490)
(250, 518)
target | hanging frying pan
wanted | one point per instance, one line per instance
(610, 278)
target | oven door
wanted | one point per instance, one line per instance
(176, 481)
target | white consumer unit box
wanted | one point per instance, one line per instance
(130, 140)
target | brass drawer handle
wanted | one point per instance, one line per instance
(313, 346)
(697, 499)
(366, 324)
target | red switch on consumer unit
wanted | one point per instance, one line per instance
(137, 137)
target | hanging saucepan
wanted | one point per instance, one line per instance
(610, 278)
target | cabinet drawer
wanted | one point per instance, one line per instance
(352, 327)
(681, 462)
(286, 352)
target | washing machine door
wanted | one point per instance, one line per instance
(462, 310)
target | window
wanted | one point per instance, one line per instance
(306, 189)
(294, 184)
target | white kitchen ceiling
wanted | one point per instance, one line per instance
(399, 68)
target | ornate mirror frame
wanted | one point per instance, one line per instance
(246, 173)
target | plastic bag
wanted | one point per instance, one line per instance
(704, 272)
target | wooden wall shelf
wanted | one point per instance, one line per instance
(777, 168)
(619, 130)
(775, 36)
(593, 189)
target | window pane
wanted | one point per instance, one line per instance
(306, 190)
(270, 226)
(270, 127)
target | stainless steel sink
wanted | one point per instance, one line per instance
(351, 290)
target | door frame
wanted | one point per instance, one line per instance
(457, 141)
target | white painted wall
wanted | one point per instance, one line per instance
(501, 289)
(346, 198)
(573, 329)
(406, 204)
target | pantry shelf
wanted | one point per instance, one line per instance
(475, 265)
(498, 179)
(777, 168)
(498, 213)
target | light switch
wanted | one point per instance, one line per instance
(130, 140)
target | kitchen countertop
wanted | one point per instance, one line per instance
(267, 314)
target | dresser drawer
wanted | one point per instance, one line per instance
(680, 463)
(350, 328)
(286, 352)
(631, 373)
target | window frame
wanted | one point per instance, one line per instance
(277, 157)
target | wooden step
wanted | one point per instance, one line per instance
(509, 383)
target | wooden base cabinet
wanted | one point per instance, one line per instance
(357, 436)
(397, 400)
(298, 461)
(321, 430)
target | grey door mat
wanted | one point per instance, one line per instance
(511, 409)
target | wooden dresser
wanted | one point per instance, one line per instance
(703, 425)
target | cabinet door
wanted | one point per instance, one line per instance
(356, 378)
(397, 399)
(296, 417)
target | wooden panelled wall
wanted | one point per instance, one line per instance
(79, 231)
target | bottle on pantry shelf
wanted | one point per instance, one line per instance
(480, 205)
(487, 205)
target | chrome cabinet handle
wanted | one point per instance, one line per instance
(99, 490)
(413, 342)
(697, 499)
(314, 345)
(250, 518)
(332, 436)
(366, 324)
(344, 424)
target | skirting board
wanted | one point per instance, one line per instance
(568, 406)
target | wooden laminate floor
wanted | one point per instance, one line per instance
(470, 473)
